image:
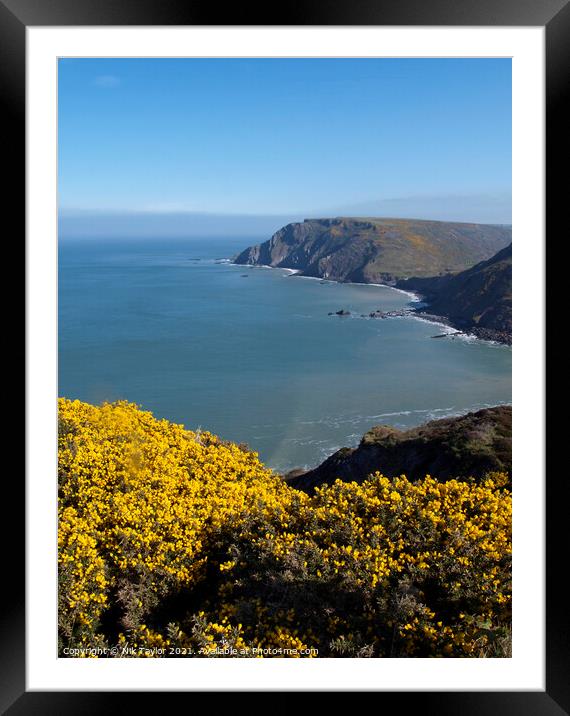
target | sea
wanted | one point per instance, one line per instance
(252, 354)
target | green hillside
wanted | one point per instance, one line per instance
(478, 299)
(374, 250)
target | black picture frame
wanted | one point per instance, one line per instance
(554, 15)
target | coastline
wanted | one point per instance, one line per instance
(484, 335)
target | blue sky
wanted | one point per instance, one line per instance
(287, 137)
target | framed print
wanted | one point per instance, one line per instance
(274, 404)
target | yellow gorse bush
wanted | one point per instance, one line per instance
(180, 542)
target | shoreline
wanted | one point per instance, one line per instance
(483, 335)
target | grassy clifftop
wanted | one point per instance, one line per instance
(377, 250)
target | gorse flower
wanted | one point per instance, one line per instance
(178, 540)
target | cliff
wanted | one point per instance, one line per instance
(377, 250)
(467, 446)
(478, 300)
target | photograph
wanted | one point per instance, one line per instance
(284, 357)
(276, 440)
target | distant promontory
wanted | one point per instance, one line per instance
(377, 250)
(461, 271)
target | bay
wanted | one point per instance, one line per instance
(251, 354)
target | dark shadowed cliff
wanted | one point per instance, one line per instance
(377, 250)
(467, 446)
(478, 299)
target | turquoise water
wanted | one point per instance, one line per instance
(251, 354)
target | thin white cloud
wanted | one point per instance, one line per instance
(107, 81)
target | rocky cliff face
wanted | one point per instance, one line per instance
(377, 250)
(478, 299)
(468, 446)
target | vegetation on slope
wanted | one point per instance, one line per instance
(479, 298)
(470, 445)
(377, 250)
(173, 542)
